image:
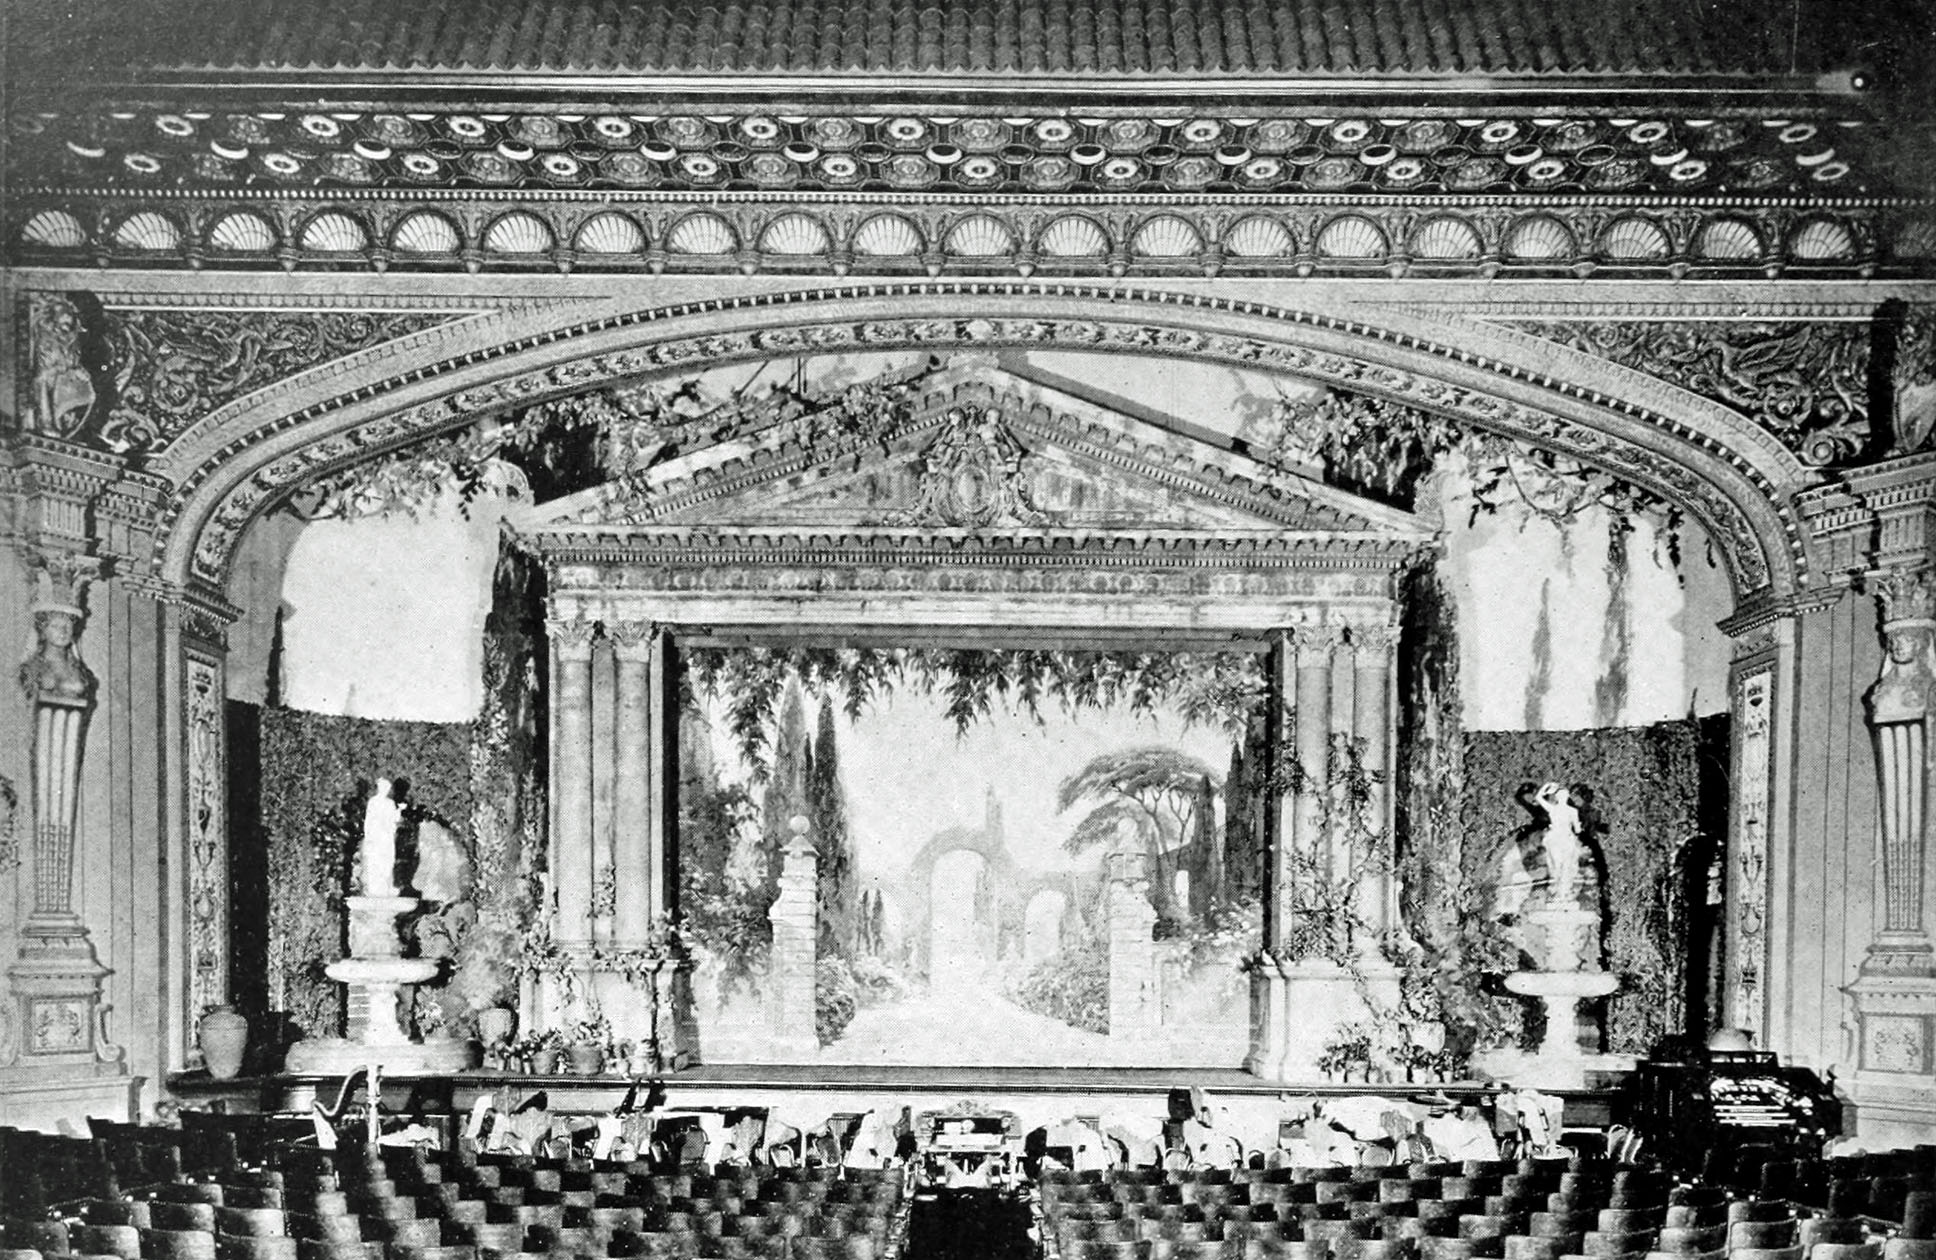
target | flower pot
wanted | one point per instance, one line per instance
(544, 1062)
(587, 1060)
(224, 1036)
(496, 1024)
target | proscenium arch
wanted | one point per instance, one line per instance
(1712, 462)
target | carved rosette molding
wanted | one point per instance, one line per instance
(1747, 953)
(1727, 522)
(1807, 383)
(207, 847)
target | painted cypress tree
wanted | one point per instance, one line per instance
(786, 787)
(827, 809)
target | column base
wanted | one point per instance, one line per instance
(1297, 1009)
(59, 1097)
(1895, 1017)
(1535, 1069)
(338, 1056)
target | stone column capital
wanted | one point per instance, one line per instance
(1374, 642)
(571, 637)
(632, 640)
(1312, 647)
(1907, 593)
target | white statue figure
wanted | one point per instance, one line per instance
(379, 852)
(1564, 848)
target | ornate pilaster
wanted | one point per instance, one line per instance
(57, 976)
(571, 777)
(1752, 705)
(634, 643)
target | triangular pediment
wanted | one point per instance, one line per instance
(978, 448)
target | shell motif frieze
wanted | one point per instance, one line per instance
(815, 234)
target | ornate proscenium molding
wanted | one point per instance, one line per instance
(1807, 383)
(218, 518)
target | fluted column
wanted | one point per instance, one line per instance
(1371, 722)
(571, 777)
(632, 790)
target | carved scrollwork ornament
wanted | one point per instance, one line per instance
(1807, 383)
(9, 825)
(974, 474)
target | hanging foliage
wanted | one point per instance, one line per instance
(1217, 689)
(564, 445)
(1386, 451)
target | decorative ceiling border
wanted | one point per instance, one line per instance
(818, 234)
(1819, 152)
(218, 522)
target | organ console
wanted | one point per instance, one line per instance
(1724, 1102)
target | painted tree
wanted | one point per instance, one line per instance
(1160, 793)
(786, 788)
(827, 812)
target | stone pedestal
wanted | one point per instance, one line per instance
(1569, 943)
(378, 974)
(1134, 1003)
(1298, 1008)
(796, 944)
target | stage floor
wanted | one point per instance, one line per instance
(1031, 1092)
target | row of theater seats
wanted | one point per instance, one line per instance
(408, 1204)
(1535, 1210)
(1874, 1184)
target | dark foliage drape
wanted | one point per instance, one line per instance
(1647, 798)
(316, 772)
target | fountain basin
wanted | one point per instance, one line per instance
(1562, 984)
(382, 970)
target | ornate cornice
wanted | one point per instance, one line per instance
(1646, 466)
(894, 547)
(1806, 383)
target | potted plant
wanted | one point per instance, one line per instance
(540, 1051)
(1347, 1056)
(586, 1043)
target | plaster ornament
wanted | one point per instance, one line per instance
(64, 393)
